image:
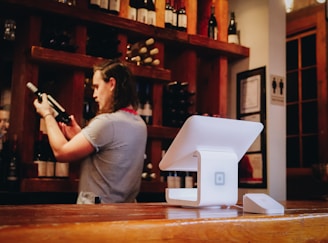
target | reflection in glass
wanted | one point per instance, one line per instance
(292, 86)
(293, 152)
(308, 45)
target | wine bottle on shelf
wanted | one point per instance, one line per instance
(151, 12)
(114, 7)
(9, 30)
(147, 173)
(174, 15)
(141, 98)
(103, 42)
(13, 167)
(170, 180)
(232, 30)
(3, 162)
(182, 17)
(212, 27)
(168, 14)
(40, 155)
(148, 56)
(68, 2)
(155, 62)
(177, 179)
(60, 113)
(142, 12)
(104, 5)
(99, 5)
(51, 160)
(141, 47)
(57, 37)
(142, 52)
(147, 112)
(132, 10)
(176, 103)
(188, 180)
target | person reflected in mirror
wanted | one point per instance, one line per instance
(4, 121)
(111, 147)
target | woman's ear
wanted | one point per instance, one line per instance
(112, 83)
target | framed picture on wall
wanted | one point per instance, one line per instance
(251, 106)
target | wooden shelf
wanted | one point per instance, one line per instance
(76, 60)
(162, 132)
(152, 186)
(232, 51)
(80, 13)
(49, 185)
(185, 57)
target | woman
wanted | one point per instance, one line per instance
(112, 145)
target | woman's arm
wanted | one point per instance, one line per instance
(67, 151)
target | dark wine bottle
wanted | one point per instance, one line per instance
(60, 113)
(151, 13)
(147, 112)
(168, 14)
(232, 30)
(142, 12)
(3, 166)
(114, 7)
(141, 52)
(132, 10)
(212, 27)
(13, 164)
(40, 155)
(174, 15)
(182, 17)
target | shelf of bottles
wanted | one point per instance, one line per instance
(9, 164)
(103, 22)
(176, 103)
(90, 15)
(177, 179)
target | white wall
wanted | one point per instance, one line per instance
(262, 29)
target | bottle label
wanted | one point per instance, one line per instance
(50, 169)
(182, 20)
(177, 181)
(42, 168)
(168, 16)
(170, 182)
(151, 18)
(189, 182)
(233, 39)
(114, 5)
(62, 169)
(95, 2)
(104, 4)
(213, 33)
(174, 19)
(12, 178)
(132, 13)
(215, 37)
(142, 15)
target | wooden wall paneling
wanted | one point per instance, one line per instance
(23, 118)
(322, 84)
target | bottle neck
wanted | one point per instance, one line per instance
(212, 10)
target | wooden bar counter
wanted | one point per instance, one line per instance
(303, 221)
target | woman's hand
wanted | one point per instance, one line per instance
(71, 130)
(43, 108)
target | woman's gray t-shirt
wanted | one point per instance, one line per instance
(113, 171)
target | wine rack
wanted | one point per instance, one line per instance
(184, 56)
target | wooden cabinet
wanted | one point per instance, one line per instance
(307, 110)
(185, 57)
